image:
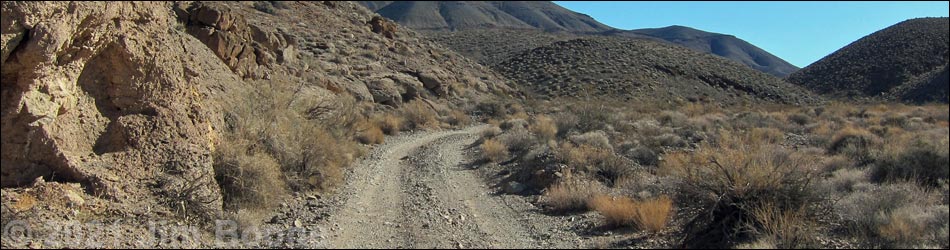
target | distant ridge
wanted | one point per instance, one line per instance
(893, 63)
(637, 68)
(460, 15)
(517, 16)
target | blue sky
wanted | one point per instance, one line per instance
(799, 32)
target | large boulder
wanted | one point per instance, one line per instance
(382, 26)
(435, 80)
(411, 86)
(385, 91)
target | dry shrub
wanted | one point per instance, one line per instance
(894, 215)
(597, 139)
(651, 215)
(617, 211)
(491, 132)
(698, 109)
(565, 122)
(419, 115)
(494, 151)
(855, 143)
(922, 161)
(516, 111)
(821, 133)
(843, 181)
(370, 133)
(518, 141)
(390, 124)
(519, 115)
(788, 229)
(600, 163)
(569, 195)
(309, 155)
(494, 122)
(514, 124)
(728, 180)
(644, 156)
(894, 120)
(592, 116)
(458, 118)
(249, 179)
(667, 140)
(544, 128)
(916, 227)
(650, 127)
(900, 226)
(673, 119)
(311, 139)
(800, 119)
(749, 120)
(767, 135)
(836, 162)
(583, 155)
(835, 110)
(491, 108)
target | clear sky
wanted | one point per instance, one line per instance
(799, 32)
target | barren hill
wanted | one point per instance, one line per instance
(460, 15)
(489, 31)
(883, 62)
(626, 67)
(493, 46)
(727, 46)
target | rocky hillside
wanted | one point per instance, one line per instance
(489, 31)
(883, 62)
(493, 46)
(930, 87)
(460, 15)
(635, 68)
(727, 46)
(125, 105)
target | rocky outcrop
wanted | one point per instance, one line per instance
(385, 91)
(382, 26)
(435, 80)
(108, 95)
(245, 48)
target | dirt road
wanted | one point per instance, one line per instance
(418, 192)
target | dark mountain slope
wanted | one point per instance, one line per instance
(479, 20)
(633, 68)
(460, 15)
(882, 62)
(722, 45)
